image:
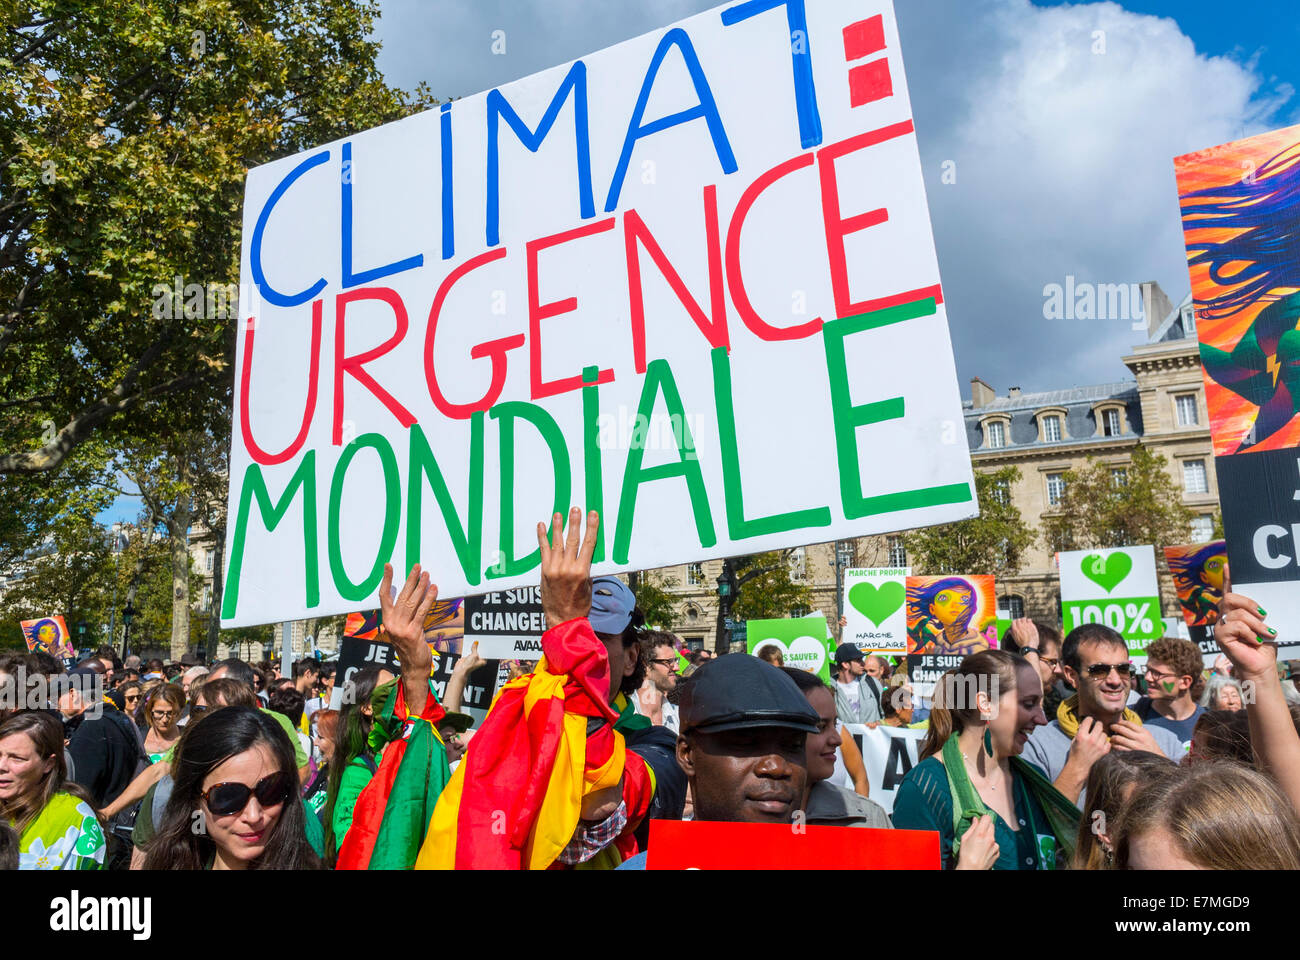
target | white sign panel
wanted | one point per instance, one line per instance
(633, 283)
(875, 606)
(888, 753)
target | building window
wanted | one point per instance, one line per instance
(897, 552)
(1055, 488)
(1051, 429)
(207, 593)
(1194, 477)
(1186, 408)
(1110, 422)
(1119, 476)
(1189, 320)
(798, 564)
(1000, 492)
(210, 557)
(996, 434)
(694, 574)
(1016, 607)
(800, 612)
(1202, 529)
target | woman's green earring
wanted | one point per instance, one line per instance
(988, 741)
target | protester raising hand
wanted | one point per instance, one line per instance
(1247, 641)
(1245, 638)
(979, 851)
(403, 618)
(566, 567)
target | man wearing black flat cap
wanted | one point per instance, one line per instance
(743, 726)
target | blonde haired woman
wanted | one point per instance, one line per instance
(1217, 815)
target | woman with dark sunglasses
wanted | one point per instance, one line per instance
(234, 804)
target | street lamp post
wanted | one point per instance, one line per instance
(726, 596)
(112, 611)
(81, 638)
(128, 615)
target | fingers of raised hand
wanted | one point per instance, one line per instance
(589, 539)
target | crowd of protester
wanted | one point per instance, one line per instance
(1050, 752)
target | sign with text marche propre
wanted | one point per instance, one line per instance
(1115, 586)
(875, 605)
(1240, 211)
(802, 641)
(632, 283)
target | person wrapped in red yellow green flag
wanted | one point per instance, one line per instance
(393, 811)
(551, 779)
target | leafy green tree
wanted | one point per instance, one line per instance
(994, 542)
(126, 133)
(658, 605)
(1140, 504)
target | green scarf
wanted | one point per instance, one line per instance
(1062, 816)
(628, 720)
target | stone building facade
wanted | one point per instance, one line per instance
(1044, 435)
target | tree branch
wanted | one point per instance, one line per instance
(117, 400)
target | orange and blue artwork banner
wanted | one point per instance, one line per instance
(1199, 571)
(951, 616)
(48, 635)
(1240, 206)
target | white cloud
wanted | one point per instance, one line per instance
(1063, 123)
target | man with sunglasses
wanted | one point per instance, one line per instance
(1095, 720)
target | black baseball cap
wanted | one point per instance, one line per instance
(848, 652)
(739, 691)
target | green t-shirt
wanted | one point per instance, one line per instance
(65, 836)
(355, 777)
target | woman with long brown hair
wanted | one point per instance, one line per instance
(234, 774)
(53, 817)
(992, 809)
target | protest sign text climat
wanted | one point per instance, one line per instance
(710, 232)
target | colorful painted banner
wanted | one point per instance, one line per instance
(1116, 586)
(951, 616)
(1199, 571)
(803, 642)
(888, 753)
(1240, 209)
(48, 635)
(948, 618)
(712, 845)
(875, 605)
(580, 288)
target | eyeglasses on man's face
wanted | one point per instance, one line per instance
(1100, 671)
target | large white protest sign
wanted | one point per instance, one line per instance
(887, 753)
(633, 283)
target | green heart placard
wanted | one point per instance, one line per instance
(877, 604)
(1107, 572)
